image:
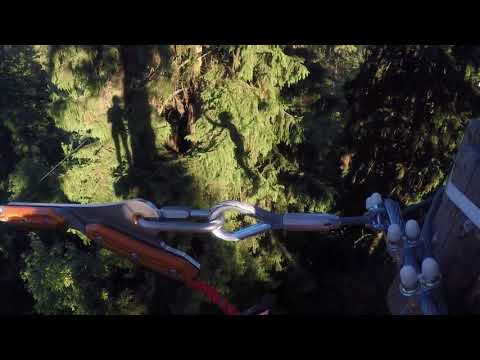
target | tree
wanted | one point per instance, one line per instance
(408, 106)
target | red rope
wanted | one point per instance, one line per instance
(212, 294)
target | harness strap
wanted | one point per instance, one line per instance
(213, 295)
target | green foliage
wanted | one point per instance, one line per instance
(50, 275)
(64, 279)
(414, 96)
(90, 169)
(24, 120)
(24, 182)
(82, 71)
(245, 113)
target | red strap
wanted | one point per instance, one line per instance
(212, 294)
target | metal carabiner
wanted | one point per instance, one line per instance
(217, 213)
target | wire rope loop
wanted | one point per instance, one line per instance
(217, 212)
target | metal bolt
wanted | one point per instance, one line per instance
(408, 280)
(430, 271)
(412, 229)
(134, 256)
(173, 273)
(394, 234)
(368, 203)
(376, 199)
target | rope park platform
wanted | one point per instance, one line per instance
(455, 234)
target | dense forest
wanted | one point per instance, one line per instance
(297, 128)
